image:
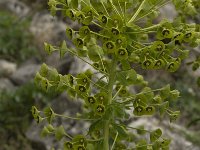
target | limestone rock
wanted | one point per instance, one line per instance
(6, 84)
(172, 131)
(25, 73)
(7, 68)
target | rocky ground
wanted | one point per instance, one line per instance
(49, 29)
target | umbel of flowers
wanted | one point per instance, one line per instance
(113, 41)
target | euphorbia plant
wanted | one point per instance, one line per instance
(114, 39)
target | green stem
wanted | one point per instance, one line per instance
(110, 89)
(137, 12)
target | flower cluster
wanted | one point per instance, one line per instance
(112, 41)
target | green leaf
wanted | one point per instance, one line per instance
(121, 131)
(50, 128)
(163, 107)
(98, 145)
(155, 135)
(157, 99)
(63, 49)
(125, 65)
(126, 77)
(94, 53)
(148, 93)
(44, 132)
(165, 91)
(44, 69)
(119, 111)
(64, 83)
(60, 133)
(73, 3)
(96, 125)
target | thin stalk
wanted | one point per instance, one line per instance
(152, 11)
(137, 12)
(99, 34)
(105, 8)
(117, 92)
(67, 135)
(114, 141)
(110, 89)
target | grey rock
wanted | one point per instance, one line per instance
(47, 28)
(172, 131)
(15, 6)
(63, 65)
(168, 11)
(24, 74)
(7, 68)
(6, 85)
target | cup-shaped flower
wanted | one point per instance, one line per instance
(109, 47)
(100, 109)
(139, 111)
(121, 53)
(149, 110)
(68, 145)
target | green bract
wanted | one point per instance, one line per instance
(49, 114)
(109, 47)
(117, 38)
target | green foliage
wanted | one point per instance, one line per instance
(16, 39)
(113, 51)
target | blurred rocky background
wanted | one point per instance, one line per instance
(24, 26)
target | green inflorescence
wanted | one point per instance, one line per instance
(118, 43)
